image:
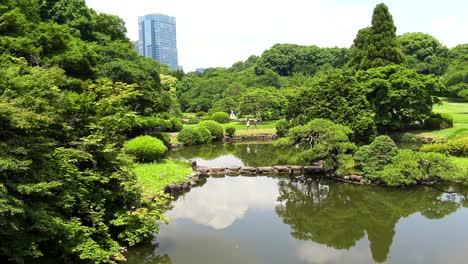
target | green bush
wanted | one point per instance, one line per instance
(189, 136)
(409, 138)
(153, 122)
(282, 128)
(217, 131)
(220, 117)
(230, 130)
(372, 158)
(193, 121)
(176, 124)
(439, 121)
(410, 167)
(200, 114)
(204, 135)
(164, 137)
(455, 147)
(145, 148)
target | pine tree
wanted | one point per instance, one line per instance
(378, 45)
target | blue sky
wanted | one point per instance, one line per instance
(214, 33)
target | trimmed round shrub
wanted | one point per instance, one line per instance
(189, 136)
(220, 117)
(281, 128)
(177, 124)
(439, 121)
(230, 130)
(193, 121)
(146, 148)
(217, 131)
(164, 137)
(204, 135)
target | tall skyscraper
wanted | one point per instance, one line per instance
(158, 39)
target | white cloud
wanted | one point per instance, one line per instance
(219, 207)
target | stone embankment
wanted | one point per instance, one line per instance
(294, 171)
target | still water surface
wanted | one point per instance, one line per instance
(276, 220)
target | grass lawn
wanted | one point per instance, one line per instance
(265, 127)
(154, 176)
(459, 111)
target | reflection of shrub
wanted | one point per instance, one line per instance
(189, 136)
(282, 128)
(455, 147)
(230, 130)
(220, 117)
(145, 148)
(193, 121)
(217, 131)
(176, 124)
(439, 121)
(204, 135)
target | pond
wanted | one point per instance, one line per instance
(278, 220)
(253, 153)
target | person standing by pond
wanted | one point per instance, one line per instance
(255, 122)
(248, 123)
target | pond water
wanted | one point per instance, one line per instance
(277, 220)
(255, 153)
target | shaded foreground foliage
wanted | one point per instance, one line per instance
(70, 86)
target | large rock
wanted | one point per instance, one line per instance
(281, 169)
(234, 168)
(265, 170)
(296, 168)
(313, 169)
(356, 178)
(203, 171)
(248, 170)
(218, 170)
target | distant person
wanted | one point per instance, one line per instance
(248, 123)
(255, 122)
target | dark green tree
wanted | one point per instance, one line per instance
(424, 53)
(378, 45)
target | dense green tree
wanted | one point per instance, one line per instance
(424, 53)
(456, 77)
(378, 45)
(261, 103)
(400, 97)
(336, 96)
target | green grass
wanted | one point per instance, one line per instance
(265, 127)
(154, 176)
(459, 111)
(189, 115)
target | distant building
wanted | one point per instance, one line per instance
(201, 70)
(158, 39)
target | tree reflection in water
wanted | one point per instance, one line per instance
(339, 215)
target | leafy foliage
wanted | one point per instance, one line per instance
(204, 135)
(456, 147)
(372, 158)
(321, 139)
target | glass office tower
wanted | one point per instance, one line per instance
(158, 39)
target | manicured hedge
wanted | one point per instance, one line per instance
(217, 131)
(146, 148)
(230, 130)
(220, 117)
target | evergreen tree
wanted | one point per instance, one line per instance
(377, 46)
